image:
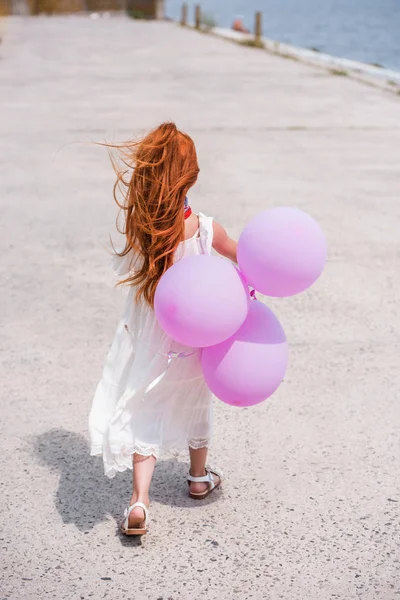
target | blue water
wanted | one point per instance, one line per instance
(364, 30)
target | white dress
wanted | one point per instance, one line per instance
(133, 410)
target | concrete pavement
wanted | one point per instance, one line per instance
(310, 503)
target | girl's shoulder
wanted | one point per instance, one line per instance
(205, 221)
(206, 232)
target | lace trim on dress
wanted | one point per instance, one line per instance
(138, 448)
(197, 443)
(146, 450)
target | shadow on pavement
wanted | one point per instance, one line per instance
(85, 497)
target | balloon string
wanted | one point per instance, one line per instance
(170, 357)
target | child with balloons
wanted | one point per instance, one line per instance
(191, 327)
(152, 394)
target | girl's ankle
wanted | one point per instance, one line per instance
(138, 498)
(198, 473)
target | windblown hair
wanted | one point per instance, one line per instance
(157, 173)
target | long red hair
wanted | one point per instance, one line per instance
(157, 173)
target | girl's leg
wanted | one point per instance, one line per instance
(198, 458)
(143, 468)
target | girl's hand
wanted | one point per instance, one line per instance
(223, 244)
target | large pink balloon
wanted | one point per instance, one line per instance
(201, 301)
(249, 367)
(282, 252)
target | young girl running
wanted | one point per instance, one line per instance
(152, 394)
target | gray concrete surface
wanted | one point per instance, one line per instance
(386, 79)
(310, 503)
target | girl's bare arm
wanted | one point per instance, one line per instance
(223, 244)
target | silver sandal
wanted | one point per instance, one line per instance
(126, 530)
(208, 477)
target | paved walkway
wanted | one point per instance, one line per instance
(311, 499)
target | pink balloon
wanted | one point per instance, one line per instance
(201, 301)
(250, 366)
(282, 252)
